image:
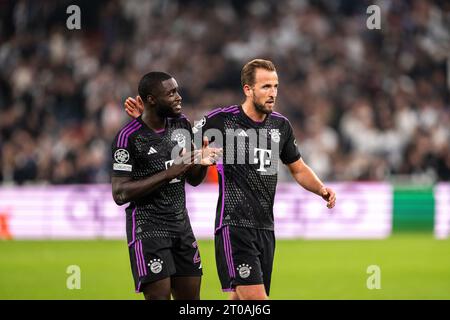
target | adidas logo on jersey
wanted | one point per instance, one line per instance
(242, 134)
(152, 151)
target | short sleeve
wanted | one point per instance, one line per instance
(289, 152)
(122, 157)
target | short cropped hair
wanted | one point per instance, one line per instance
(150, 81)
(249, 70)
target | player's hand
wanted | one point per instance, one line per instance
(329, 196)
(183, 163)
(134, 107)
(209, 155)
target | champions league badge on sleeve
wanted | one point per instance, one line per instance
(121, 157)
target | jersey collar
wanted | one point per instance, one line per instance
(156, 132)
(253, 122)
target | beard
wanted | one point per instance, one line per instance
(166, 111)
(261, 108)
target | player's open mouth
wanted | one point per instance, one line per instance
(177, 107)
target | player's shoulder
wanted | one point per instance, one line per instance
(280, 118)
(182, 121)
(222, 112)
(127, 131)
(181, 118)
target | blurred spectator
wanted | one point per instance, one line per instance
(365, 104)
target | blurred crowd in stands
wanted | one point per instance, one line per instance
(366, 105)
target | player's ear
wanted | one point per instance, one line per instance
(247, 90)
(151, 99)
(139, 100)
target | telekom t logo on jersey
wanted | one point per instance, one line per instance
(255, 147)
(260, 157)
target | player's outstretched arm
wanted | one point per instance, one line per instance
(305, 177)
(134, 107)
(125, 189)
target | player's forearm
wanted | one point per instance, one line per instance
(128, 191)
(196, 175)
(308, 179)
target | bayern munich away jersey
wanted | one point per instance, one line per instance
(251, 154)
(140, 152)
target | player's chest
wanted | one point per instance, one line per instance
(257, 148)
(243, 139)
(155, 153)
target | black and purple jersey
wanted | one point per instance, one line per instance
(139, 152)
(248, 175)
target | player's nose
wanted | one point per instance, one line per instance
(273, 93)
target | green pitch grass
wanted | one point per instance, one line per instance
(413, 266)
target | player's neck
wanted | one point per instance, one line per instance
(152, 120)
(249, 109)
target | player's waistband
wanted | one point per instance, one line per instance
(242, 225)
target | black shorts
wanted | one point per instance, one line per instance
(244, 256)
(153, 259)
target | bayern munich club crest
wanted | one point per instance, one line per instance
(181, 140)
(275, 135)
(155, 265)
(121, 156)
(244, 270)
